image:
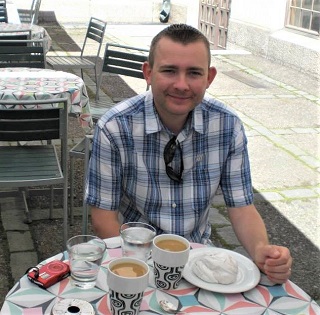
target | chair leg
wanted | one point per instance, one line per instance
(51, 202)
(27, 220)
(65, 214)
(85, 219)
(71, 190)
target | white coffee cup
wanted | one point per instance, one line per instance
(127, 280)
(170, 253)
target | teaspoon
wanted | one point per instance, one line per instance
(169, 307)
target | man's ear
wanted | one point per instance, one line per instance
(211, 75)
(146, 69)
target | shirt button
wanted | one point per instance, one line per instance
(174, 205)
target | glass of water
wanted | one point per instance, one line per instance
(136, 239)
(85, 257)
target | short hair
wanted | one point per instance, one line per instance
(180, 33)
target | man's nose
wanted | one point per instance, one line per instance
(181, 82)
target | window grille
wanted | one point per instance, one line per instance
(304, 15)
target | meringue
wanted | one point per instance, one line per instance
(216, 268)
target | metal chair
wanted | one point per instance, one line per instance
(122, 60)
(34, 12)
(80, 150)
(36, 162)
(30, 16)
(22, 53)
(3, 14)
(95, 32)
(9, 35)
(118, 59)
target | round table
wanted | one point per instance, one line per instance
(266, 298)
(32, 83)
(37, 32)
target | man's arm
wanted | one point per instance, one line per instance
(105, 223)
(274, 261)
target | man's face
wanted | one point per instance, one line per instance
(179, 77)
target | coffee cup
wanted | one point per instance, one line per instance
(170, 254)
(127, 280)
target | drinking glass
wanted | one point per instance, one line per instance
(85, 256)
(136, 239)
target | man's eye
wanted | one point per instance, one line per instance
(196, 73)
(168, 70)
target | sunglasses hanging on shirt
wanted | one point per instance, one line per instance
(168, 154)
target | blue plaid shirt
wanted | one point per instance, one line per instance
(127, 169)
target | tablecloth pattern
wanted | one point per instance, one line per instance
(265, 299)
(33, 83)
(37, 32)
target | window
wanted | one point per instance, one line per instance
(304, 15)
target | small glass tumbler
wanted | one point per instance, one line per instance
(85, 257)
(136, 240)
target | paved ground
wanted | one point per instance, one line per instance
(280, 109)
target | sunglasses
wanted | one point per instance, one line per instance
(168, 155)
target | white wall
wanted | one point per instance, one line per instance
(266, 14)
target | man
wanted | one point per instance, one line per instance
(159, 157)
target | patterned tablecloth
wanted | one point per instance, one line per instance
(32, 83)
(265, 299)
(37, 32)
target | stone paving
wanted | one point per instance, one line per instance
(280, 109)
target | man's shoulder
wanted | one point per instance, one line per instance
(215, 106)
(128, 107)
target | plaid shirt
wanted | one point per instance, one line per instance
(127, 169)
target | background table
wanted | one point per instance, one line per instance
(37, 32)
(27, 298)
(32, 83)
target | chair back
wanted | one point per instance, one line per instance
(95, 31)
(30, 120)
(22, 53)
(15, 35)
(123, 60)
(3, 14)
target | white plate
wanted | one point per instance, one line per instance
(248, 273)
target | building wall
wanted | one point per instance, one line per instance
(259, 26)
(255, 25)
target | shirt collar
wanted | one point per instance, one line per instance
(153, 123)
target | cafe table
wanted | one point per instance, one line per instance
(264, 298)
(37, 32)
(33, 83)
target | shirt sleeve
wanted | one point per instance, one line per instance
(236, 183)
(103, 183)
